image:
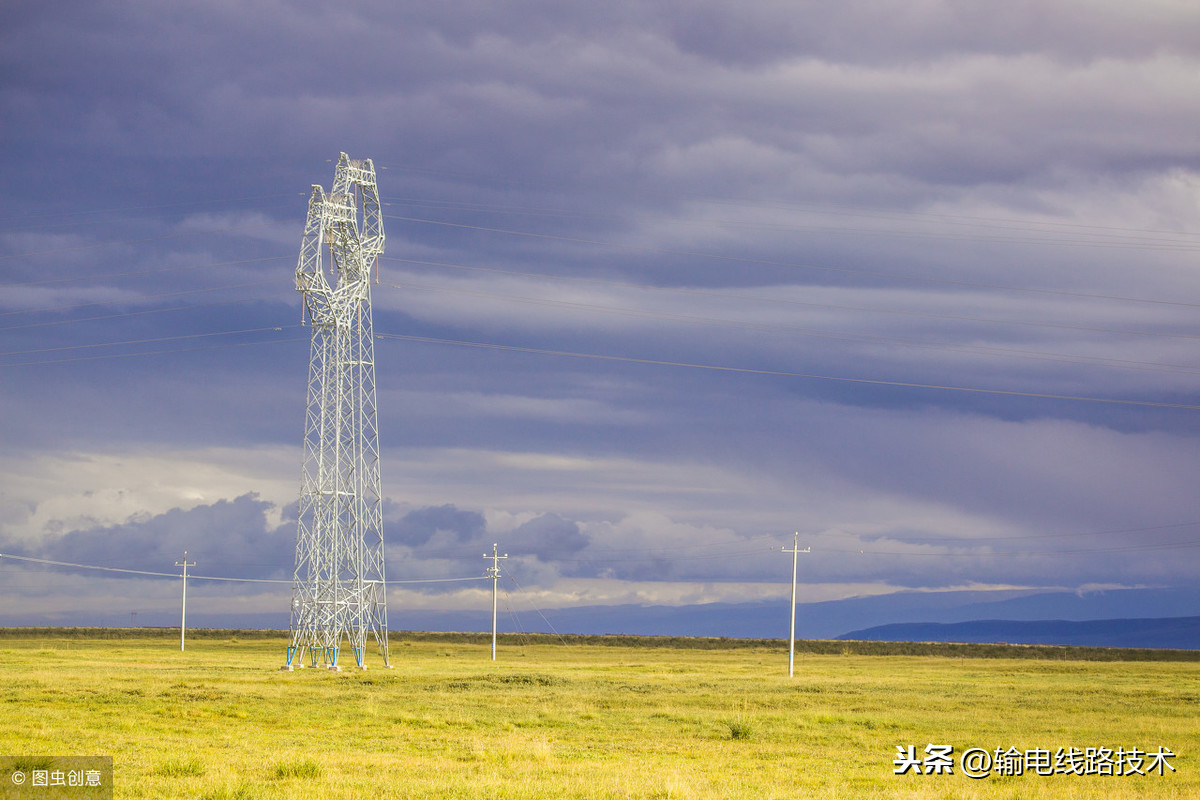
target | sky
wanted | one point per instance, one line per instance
(665, 283)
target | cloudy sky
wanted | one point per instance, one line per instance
(664, 283)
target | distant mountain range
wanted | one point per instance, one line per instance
(1181, 633)
(1117, 618)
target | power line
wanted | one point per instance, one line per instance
(1098, 235)
(512, 578)
(516, 618)
(788, 329)
(116, 218)
(90, 566)
(181, 235)
(1039, 536)
(150, 573)
(1114, 233)
(791, 302)
(642, 555)
(173, 351)
(793, 330)
(137, 299)
(785, 374)
(991, 232)
(793, 265)
(132, 314)
(901, 214)
(60, 214)
(140, 272)
(1133, 548)
(145, 341)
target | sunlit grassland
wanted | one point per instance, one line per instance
(573, 720)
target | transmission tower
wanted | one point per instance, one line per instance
(338, 591)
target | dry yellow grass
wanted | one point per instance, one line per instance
(549, 721)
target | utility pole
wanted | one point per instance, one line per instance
(183, 613)
(494, 573)
(795, 551)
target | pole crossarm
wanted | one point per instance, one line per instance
(338, 588)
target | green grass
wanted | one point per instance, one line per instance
(741, 730)
(304, 768)
(181, 767)
(582, 719)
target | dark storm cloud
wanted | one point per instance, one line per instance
(662, 89)
(549, 537)
(419, 526)
(880, 31)
(227, 538)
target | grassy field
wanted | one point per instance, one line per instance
(582, 720)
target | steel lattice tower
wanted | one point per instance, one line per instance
(338, 590)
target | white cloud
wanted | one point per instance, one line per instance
(56, 493)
